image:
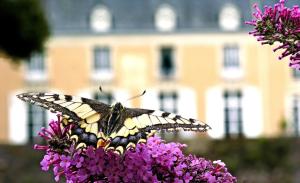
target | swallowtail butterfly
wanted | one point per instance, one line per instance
(110, 126)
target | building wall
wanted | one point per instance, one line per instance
(135, 60)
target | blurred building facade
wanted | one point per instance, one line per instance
(193, 57)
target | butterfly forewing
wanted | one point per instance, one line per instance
(72, 108)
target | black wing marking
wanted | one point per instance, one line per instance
(147, 120)
(72, 108)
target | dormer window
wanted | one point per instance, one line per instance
(100, 19)
(165, 18)
(229, 18)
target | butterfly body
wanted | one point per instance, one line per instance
(112, 127)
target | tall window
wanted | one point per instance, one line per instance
(104, 97)
(102, 59)
(233, 113)
(231, 57)
(296, 115)
(35, 68)
(167, 65)
(36, 120)
(168, 103)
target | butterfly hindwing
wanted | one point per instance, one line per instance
(139, 124)
(146, 120)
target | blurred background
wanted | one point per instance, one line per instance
(194, 58)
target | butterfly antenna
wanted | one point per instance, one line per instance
(100, 89)
(137, 95)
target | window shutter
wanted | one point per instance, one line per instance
(187, 107)
(17, 120)
(252, 112)
(215, 112)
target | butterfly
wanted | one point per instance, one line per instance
(113, 127)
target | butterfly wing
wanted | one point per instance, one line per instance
(139, 124)
(146, 120)
(72, 108)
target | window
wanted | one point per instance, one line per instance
(100, 19)
(229, 18)
(296, 115)
(167, 66)
(165, 18)
(104, 97)
(101, 59)
(296, 73)
(36, 120)
(231, 57)
(102, 68)
(231, 65)
(35, 68)
(233, 113)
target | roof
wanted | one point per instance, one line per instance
(137, 16)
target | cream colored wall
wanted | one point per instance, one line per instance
(10, 80)
(135, 62)
(199, 71)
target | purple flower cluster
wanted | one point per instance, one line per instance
(154, 161)
(279, 24)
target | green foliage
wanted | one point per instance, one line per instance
(259, 160)
(24, 28)
(21, 164)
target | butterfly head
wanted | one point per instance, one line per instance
(117, 107)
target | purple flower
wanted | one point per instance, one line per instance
(279, 24)
(155, 161)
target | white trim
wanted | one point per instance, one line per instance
(102, 74)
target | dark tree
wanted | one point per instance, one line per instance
(23, 28)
